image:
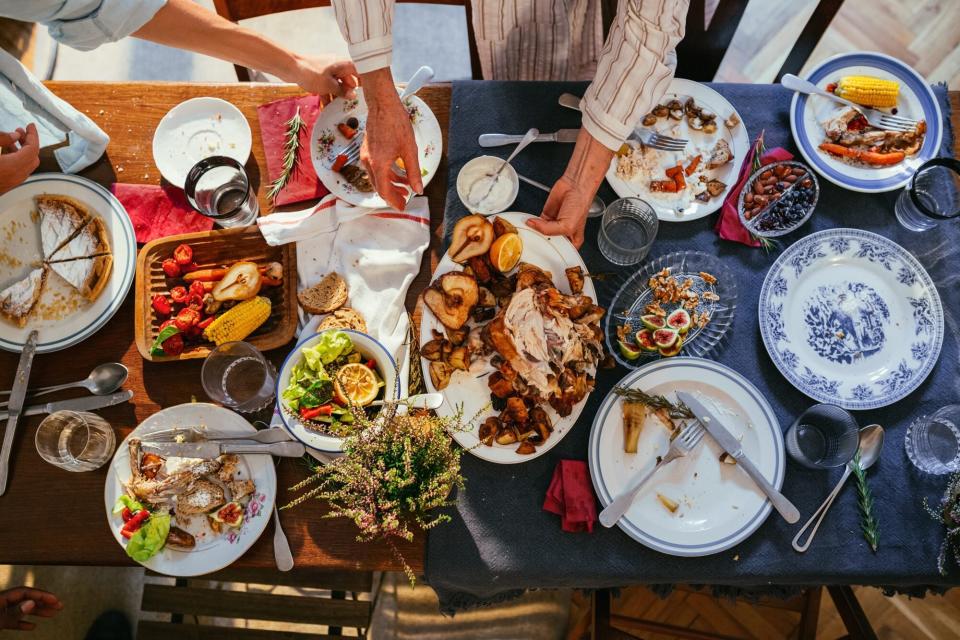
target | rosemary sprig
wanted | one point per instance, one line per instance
(760, 148)
(291, 150)
(868, 523)
(675, 410)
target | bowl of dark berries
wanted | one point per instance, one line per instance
(778, 199)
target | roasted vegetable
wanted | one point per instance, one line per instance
(459, 358)
(672, 505)
(239, 322)
(432, 350)
(440, 373)
(868, 91)
(472, 236)
(501, 227)
(241, 282)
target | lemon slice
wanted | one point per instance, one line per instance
(356, 384)
(505, 252)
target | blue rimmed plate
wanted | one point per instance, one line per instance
(851, 318)
(62, 318)
(719, 505)
(917, 101)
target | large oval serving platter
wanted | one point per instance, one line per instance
(720, 506)
(468, 390)
(851, 318)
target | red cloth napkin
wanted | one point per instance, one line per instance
(273, 116)
(728, 225)
(158, 212)
(570, 496)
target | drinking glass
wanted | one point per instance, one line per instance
(75, 440)
(218, 188)
(933, 442)
(627, 231)
(236, 375)
(824, 436)
(931, 196)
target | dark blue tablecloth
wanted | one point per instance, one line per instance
(500, 540)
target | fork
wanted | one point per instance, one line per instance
(654, 140)
(687, 439)
(879, 119)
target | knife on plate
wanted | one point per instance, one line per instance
(18, 394)
(731, 445)
(208, 450)
(75, 404)
(500, 139)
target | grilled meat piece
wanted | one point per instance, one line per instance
(203, 497)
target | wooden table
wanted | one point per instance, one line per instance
(49, 516)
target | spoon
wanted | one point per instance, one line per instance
(529, 137)
(281, 548)
(421, 401)
(597, 207)
(871, 441)
(102, 381)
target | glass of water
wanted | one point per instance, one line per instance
(75, 440)
(933, 442)
(627, 231)
(219, 188)
(236, 375)
(824, 436)
(931, 196)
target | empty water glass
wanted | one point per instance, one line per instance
(75, 440)
(933, 442)
(824, 436)
(627, 231)
(931, 196)
(236, 375)
(219, 188)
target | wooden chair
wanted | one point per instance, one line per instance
(189, 598)
(237, 10)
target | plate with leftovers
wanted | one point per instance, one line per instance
(67, 260)
(511, 336)
(342, 121)
(327, 377)
(699, 504)
(188, 516)
(839, 143)
(692, 183)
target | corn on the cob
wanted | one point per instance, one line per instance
(239, 322)
(868, 91)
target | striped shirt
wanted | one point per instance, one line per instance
(553, 40)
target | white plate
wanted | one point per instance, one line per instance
(212, 552)
(196, 129)
(720, 506)
(471, 393)
(65, 329)
(326, 139)
(917, 101)
(738, 140)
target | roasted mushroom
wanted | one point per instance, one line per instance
(457, 336)
(710, 128)
(451, 298)
(649, 120)
(472, 236)
(489, 430)
(485, 298)
(716, 187)
(516, 411)
(661, 111)
(440, 373)
(526, 448)
(499, 385)
(459, 358)
(732, 121)
(690, 108)
(433, 350)
(695, 122)
(480, 265)
(507, 436)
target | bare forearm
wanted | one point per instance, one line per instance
(589, 162)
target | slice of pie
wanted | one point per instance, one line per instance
(91, 241)
(18, 300)
(86, 275)
(61, 218)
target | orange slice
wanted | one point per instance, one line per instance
(505, 252)
(356, 383)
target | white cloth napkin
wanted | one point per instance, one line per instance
(24, 99)
(377, 252)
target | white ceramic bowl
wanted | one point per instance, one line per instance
(370, 348)
(485, 164)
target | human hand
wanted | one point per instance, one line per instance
(327, 76)
(22, 601)
(19, 156)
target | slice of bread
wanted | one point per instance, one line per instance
(345, 318)
(325, 296)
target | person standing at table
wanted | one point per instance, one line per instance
(529, 40)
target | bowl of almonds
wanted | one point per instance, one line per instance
(778, 198)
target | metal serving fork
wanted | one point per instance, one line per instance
(654, 139)
(879, 119)
(685, 442)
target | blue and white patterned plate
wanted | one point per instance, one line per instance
(916, 101)
(851, 318)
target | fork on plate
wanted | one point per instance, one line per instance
(686, 440)
(653, 139)
(877, 118)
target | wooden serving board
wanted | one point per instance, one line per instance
(218, 248)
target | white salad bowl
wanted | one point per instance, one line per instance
(370, 348)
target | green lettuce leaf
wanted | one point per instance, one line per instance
(150, 538)
(126, 501)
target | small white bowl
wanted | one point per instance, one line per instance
(369, 348)
(480, 166)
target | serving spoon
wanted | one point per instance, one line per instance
(421, 401)
(102, 381)
(871, 442)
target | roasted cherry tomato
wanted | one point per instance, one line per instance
(171, 268)
(195, 301)
(161, 305)
(197, 288)
(173, 346)
(206, 322)
(179, 295)
(126, 514)
(186, 318)
(183, 254)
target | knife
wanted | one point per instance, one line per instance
(17, 395)
(731, 445)
(75, 404)
(208, 450)
(569, 101)
(500, 139)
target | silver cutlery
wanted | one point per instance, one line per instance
(17, 396)
(421, 401)
(597, 207)
(103, 380)
(877, 118)
(732, 446)
(871, 442)
(653, 139)
(208, 450)
(196, 434)
(529, 137)
(75, 404)
(688, 438)
(501, 139)
(569, 101)
(281, 547)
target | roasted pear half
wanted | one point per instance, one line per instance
(451, 298)
(472, 236)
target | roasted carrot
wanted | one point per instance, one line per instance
(347, 131)
(870, 157)
(213, 274)
(270, 282)
(692, 166)
(668, 186)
